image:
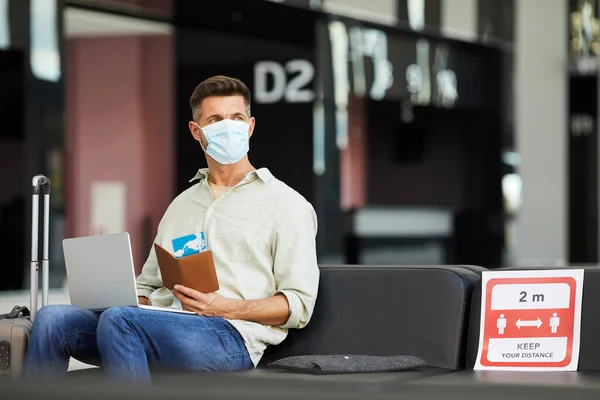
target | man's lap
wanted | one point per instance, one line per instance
(168, 337)
(67, 314)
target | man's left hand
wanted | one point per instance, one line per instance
(206, 304)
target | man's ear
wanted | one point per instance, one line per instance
(195, 131)
(252, 123)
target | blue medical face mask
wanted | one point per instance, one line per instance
(227, 140)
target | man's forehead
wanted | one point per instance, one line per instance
(224, 103)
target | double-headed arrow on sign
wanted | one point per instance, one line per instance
(537, 323)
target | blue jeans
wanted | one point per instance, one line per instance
(128, 342)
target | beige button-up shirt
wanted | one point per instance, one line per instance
(262, 236)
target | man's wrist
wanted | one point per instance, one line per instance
(235, 309)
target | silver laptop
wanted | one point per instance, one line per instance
(101, 273)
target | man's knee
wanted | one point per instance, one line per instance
(113, 326)
(56, 315)
(114, 317)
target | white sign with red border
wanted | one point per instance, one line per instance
(530, 320)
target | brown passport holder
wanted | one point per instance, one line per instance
(196, 271)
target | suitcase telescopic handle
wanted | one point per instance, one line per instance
(43, 182)
(40, 181)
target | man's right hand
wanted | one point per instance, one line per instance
(143, 300)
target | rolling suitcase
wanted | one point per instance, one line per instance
(16, 325)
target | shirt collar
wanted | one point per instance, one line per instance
(262, 173)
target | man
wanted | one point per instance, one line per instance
(262, 236)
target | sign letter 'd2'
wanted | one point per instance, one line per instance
(293, 89)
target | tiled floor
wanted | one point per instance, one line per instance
(55, 296)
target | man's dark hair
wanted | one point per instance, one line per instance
(218, 86)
